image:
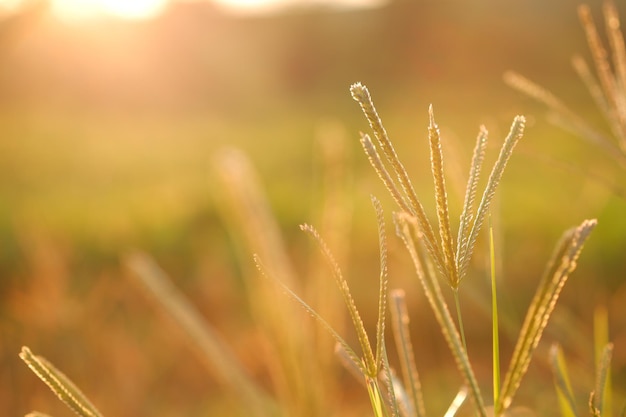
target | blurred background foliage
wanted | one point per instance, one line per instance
(109, 127)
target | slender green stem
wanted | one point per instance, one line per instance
(459, 318)
(601, 340)
(494, 316)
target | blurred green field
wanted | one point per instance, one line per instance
(108, 139)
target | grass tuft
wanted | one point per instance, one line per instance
(414, 227)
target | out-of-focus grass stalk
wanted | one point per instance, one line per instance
(562, 382)
(201, 334)
(598, 395)
(393, 396)
(600, 342)
(607, 87)
(457, 402)
(333, 210)
(246, 210)
(400, 320)
(563, 262)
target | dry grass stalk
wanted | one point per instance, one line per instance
(247, 211)
(215, 352)
(515, 134)
(441, 198)
(60, 384)
(400, 321)
(478, 157)
(408, 230)
(608, 91)
(602, 377)
(563, 262)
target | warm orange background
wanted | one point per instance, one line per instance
(108, 132)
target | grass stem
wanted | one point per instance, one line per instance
(459, 318)
(494, 316)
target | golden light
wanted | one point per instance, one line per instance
(127, 9)
(77, 10)
(271, 6)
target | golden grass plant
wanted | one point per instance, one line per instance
(432, 257)
(435, 256)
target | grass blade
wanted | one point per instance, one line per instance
(400, 321)
(616, 41)
(457, 402)
(405, 408)
(391, 387)
(368, 356)
(614, 111)
(383, 283)
(201, 334)
(602, 376)
(561, 115)
(562, 382)
(383, 174)
(562, 264)
(376, 397)
(595, 90)
(348, 359)
(494, 316)
(350, 355)
(247, 212)
(600, 342)
(60, 384)
(601, 61)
